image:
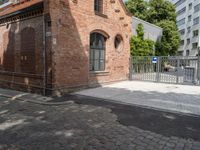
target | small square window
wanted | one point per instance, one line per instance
(194, 45)
(182, 42)
(189, 18)
(188, 29)
(49, 23)
(195, 33)
(98, 6)
(187, 52)
(188, 41)
(190, 6)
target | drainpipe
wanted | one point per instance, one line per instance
(44, 56)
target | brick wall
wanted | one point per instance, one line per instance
(72, 23)
(20, 44)
(69, 24)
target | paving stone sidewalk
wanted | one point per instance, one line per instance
(170, 97)
(28, 126)
(30, 97)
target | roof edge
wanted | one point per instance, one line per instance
(146, 22)
(124, 7)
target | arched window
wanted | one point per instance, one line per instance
(9, 50)
(97, 52)
(28, 50)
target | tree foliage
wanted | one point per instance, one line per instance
(141, 46)
(137, 7)
(161, 13)
(159, 10)
(170, 40)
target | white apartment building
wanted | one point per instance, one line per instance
(188, 22)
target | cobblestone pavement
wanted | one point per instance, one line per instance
(26, 126)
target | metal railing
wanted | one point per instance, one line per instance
(177, 70)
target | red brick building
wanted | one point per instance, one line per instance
(57, 45)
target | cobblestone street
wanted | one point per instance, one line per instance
(28, 126)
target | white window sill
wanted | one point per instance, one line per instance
(99, 72)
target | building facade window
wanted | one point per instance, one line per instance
(187, 52)
(196, 21)
(97, 52)
(197, 8)
(190, 6)
(189, 18)
(182, 11)
(194, 45)
(188, 41)
(181, 22)
(188, 29)
(179, 2)
(195, 33)
(182, 42)
(98, 6)
(182, 32)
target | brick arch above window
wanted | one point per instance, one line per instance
(105, 34)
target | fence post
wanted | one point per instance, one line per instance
(158, 69)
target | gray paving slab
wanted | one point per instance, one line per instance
(170, 97)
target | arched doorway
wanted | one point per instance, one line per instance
(28, 50)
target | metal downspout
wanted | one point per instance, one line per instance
(44, 56)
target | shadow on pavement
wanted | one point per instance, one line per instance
(161, 122)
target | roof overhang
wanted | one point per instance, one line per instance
(14, 9)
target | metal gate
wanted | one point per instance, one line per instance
(175, 70)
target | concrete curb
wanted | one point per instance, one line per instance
(141, 106)
(38, 102)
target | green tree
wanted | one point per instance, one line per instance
(163, 14)
(141, 46)
(138, 8)
(170, 40)
(159, 10)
